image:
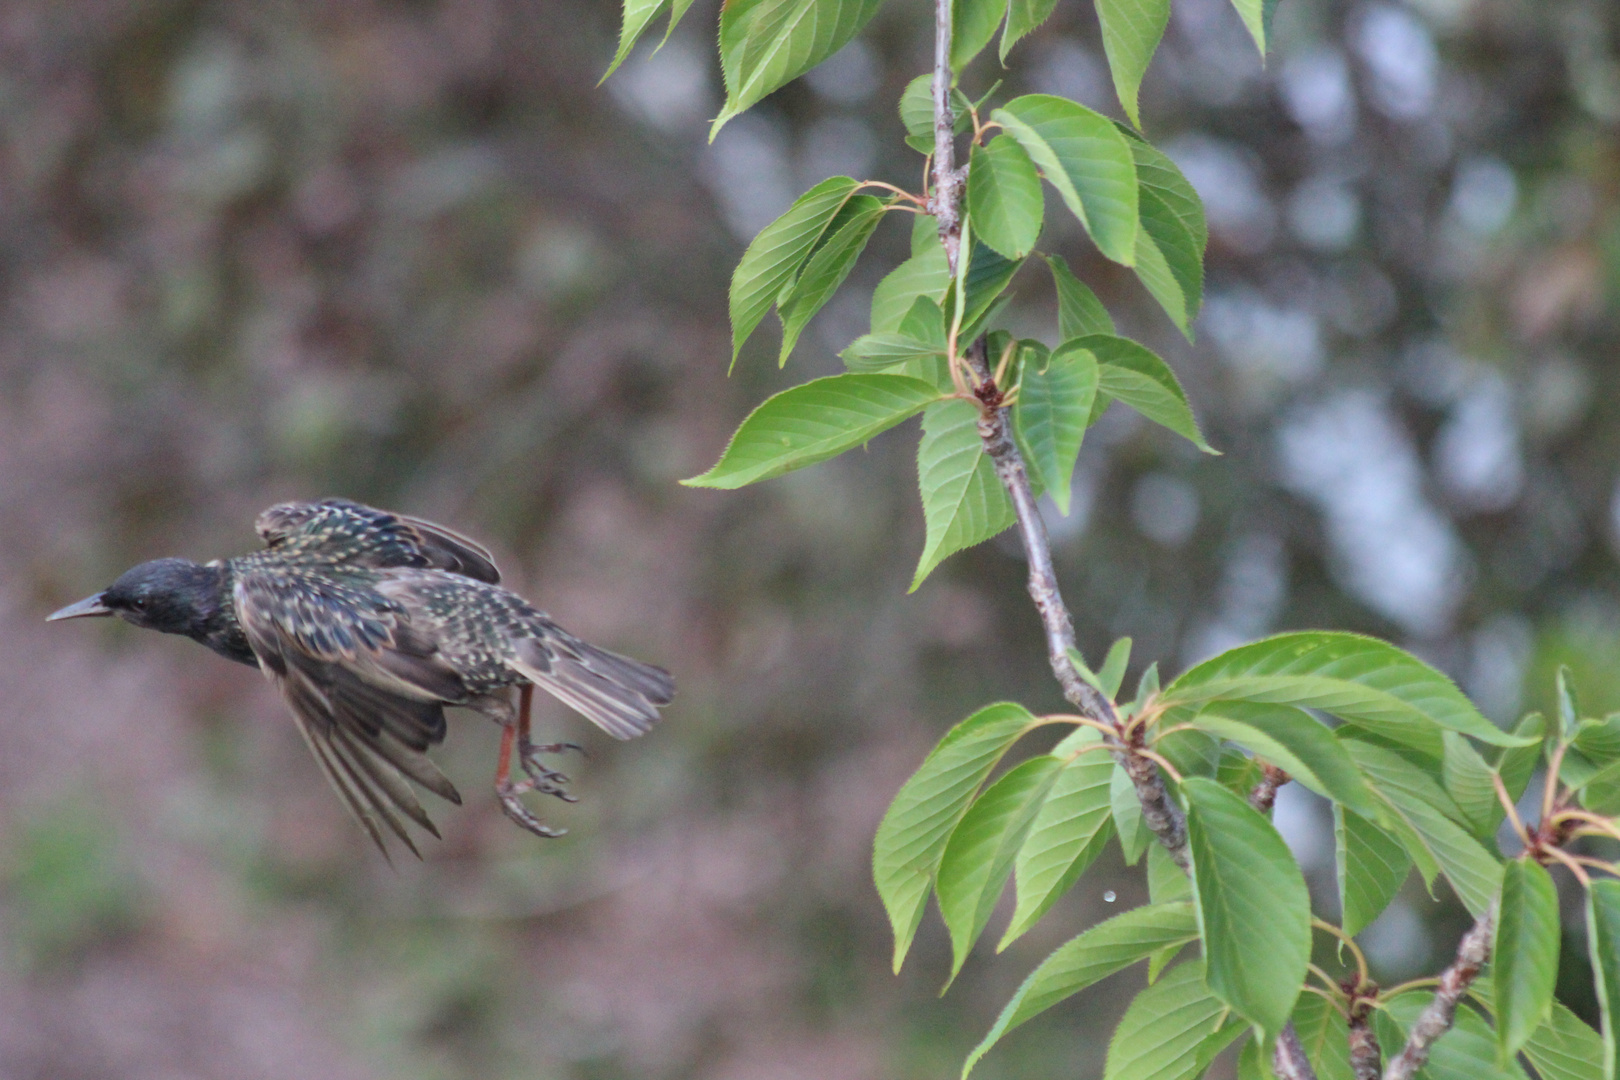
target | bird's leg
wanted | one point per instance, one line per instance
(546, 780)
(508, 791)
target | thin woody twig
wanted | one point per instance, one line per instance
(1288, 1061)
(1366, 1058)
(1435, 1020)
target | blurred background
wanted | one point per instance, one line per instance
(411, 253)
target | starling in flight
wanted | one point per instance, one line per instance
(370, 623)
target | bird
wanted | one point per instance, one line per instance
(369, 623)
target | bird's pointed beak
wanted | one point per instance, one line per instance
(89, 607)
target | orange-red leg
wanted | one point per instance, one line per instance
(517, 732)
(541, 778)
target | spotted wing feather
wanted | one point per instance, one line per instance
(366, 692)
(361, 535)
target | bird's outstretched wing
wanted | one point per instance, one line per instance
(366, 691)
(380, 539)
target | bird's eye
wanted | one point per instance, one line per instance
(139, 603)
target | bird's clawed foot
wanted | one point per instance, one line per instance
(542, 778)
(508, 793)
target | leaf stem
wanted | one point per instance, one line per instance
(1411, 984)
(900, 191)
(1550, 791)
(1084, 721)
(1362, 977)
(1568, 860)
(1512, 811)
(1594, 823)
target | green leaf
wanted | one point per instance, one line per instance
(1191, 753)
(1023, 16)
(1137, 376)
(963, 502)
(1517, 764)
(1569, 709)
(979, 856)
(812, 422)
(1171, 1031)
(765, 44)
(1325, 1037)
(1372, 867)
(1563, 1048)
(1170, 247)
(1600, 793)
(1297, 743)
(1365, 682)
(917, 114)
(1068, 834)
(1603, 945)
(924, 275)
(1598, 740)
(1156, 172)
(777, 253)
(1113, 669)
(1087, 160)
(829, 265)
(1425, 822)
(1524, 956)
(1254, 913)
(1254, 1060)
(912, 836)
(1134, 834)
(988, 275)
(1079, 311)
(974, 23)
(1004, 196)
(1148, 684)
(1466, 1052)
(1099, 952)
(1131, 30)
(875, 352)
(1468, 782)
(1167, 882)
(1256, 16)
(638, 14)
(1049, 417)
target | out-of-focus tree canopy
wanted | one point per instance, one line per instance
(412, 254)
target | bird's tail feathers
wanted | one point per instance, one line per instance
(619, 695)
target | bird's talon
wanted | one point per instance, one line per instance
(522, 815)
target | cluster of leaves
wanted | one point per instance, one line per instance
(1409, 788)
(1131, 199)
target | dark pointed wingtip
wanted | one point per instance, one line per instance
(89, 607)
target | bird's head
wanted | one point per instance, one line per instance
(176, 596)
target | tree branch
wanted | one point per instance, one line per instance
(1160, 814)
(1366, 1059)
(1472, 952)
(1288, 1061)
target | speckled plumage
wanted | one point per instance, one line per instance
(370, 623)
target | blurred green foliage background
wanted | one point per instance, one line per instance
(411, 253)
